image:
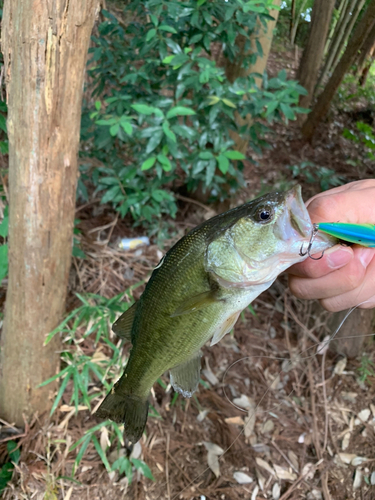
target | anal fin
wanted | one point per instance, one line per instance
(123, 326)
(185, 377)
(225, 328)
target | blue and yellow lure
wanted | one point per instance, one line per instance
(360, 234)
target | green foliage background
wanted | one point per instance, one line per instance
(161, 107)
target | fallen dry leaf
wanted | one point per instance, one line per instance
(262, 463)
(213, 453)
(242, 478)
(235, 421)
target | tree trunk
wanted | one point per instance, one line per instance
(335, 24)
(366, 69)
(357, 9)
(292, 18)
(367, 49)
(235, 70)
(45, 47)
(293, 31)
(360, 34)
(313, 53)
(336, 41)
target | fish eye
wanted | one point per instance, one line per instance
(264, 215)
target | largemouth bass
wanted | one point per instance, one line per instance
(196, 293)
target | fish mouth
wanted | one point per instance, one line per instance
(294, 222)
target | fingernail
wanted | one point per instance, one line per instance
(365, 256)
(338, 257)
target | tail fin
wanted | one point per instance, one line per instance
(130, 410)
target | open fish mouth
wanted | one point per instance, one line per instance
(294, 223)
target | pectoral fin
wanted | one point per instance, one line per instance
(123, 326)
(185, 377)
(196, 303)
(225, 328)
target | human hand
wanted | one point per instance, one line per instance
(345, 276)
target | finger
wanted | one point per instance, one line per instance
(351, 186)
(346, 206)
(363, 295)
(337, 282)
(333, 259)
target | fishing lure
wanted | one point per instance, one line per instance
(360, 234)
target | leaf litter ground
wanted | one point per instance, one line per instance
(272, 418)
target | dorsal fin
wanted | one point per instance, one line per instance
(123, 326)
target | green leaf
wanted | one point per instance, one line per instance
(150, 34)
(114, 130)
(86, 442)
(127, 127)
(3, 261)
(13, 451)
(144, 468)
(3, 123)
(168, 132)
(101, 453)
(98, 105)
(110, 194)
(223, 163)
(154, 20)
(196, 38)
(180, 111)
(5, 223)
(271, 106)
(213, 99)
(146, 165)
(77, 252)
(206, 155)
(61, 390)
(164, 27)
(229, 103)
(234, 155)
(166, 164)
(287, 110)
(168, 59)
(154, 141)
(144, 109)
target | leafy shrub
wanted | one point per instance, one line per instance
(6, 470)
(364, 135)
(81, 374)
(165, 108)
(311, 173)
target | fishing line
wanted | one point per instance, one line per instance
(322, 345)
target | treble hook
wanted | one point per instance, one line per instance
(314, 232)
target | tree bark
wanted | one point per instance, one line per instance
(360, 34)
(340, 37)
(356, 11)
(235, 70)
(45, 45)
(293, 31)
(366, 49)
(313, 53)
(335, 24)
